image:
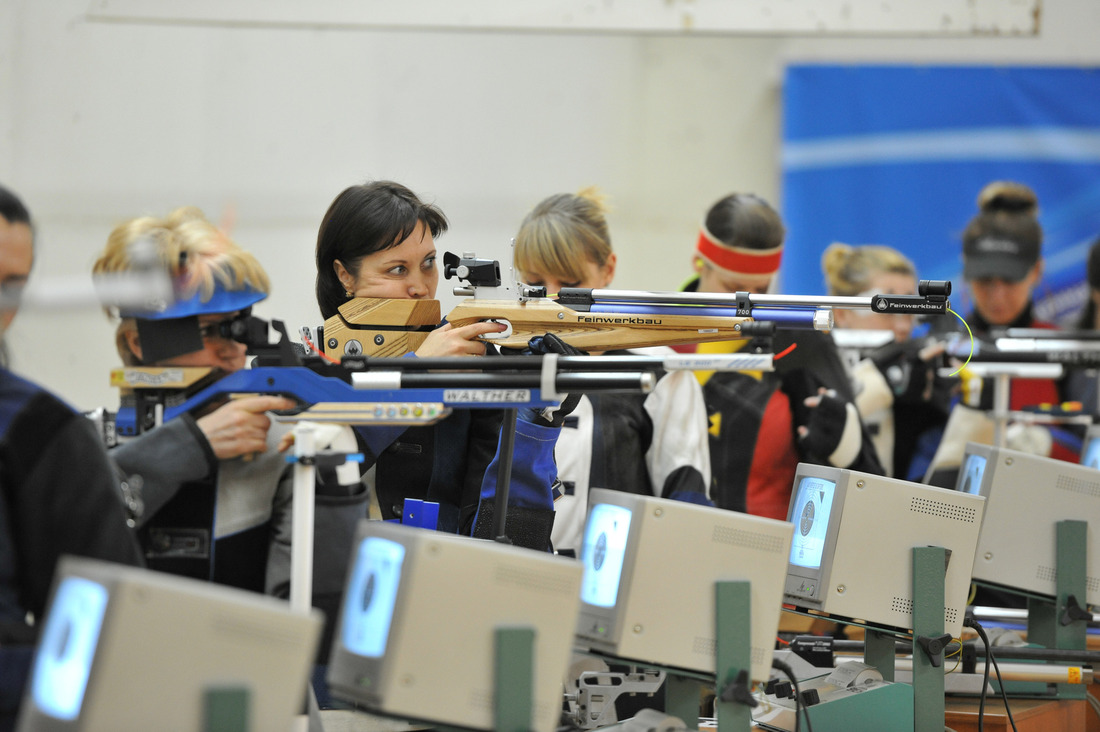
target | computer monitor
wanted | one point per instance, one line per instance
(1026, 496)
(851, 556)
(650, 568)
(419, 620)
(124, 648)
(1090, 447)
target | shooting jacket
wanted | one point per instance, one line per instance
(254, 510)
(59, 494)
(454, 463)
(651, 444)
(754, 446)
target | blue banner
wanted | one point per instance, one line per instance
(896, 155)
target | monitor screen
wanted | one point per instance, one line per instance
(1090, 453)
(604, 550)
(813, 504)
(124, 648)
(970, 478)
(371, 596)
(68, 645)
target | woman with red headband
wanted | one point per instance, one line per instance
(763, 424)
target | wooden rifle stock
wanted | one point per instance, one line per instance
(372, 326)
(593, 331)
(381, 327)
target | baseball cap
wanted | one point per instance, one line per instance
(998, 257)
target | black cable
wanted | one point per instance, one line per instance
(786, 670)
(1004, 695)
(504, 476)
(972, 622)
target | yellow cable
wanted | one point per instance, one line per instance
(968, 332)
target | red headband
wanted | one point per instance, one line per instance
(739, 259)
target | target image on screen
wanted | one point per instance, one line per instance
(970, 479)
(371, 596)
(605, 537)
(1090, 456)
(68, 645)
(813, 504)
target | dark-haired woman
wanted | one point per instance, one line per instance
(762, 425)
(378, 240)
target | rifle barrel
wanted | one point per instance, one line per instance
(789, 318)
(563, 382)
(670, 362)
(903, 304)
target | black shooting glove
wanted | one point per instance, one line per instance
(552, 416)
(833, 433)
(909, 368)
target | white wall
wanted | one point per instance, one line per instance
(100, 122)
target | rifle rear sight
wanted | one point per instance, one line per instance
(475, 270)
(934, 288)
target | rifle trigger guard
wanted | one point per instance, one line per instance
(548, 392)
(507, 332)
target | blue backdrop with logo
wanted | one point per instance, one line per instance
(896, 155)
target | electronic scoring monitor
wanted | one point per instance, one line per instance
(854, 534)
(650, 568)
(419, 619)
(1026, 496)
(124, 648)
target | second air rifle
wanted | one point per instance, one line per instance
(595, 319)
(373, 391)
(388, 391)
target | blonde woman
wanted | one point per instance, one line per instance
(896, 390)
(654, 444)
(217, 492)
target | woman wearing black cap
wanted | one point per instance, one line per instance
(1001, 258)
(1002, 264)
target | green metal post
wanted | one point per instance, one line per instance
(225, 709)
(879, 650)
(513, 701)
(1042, 621)
(1072, 579)
(1044, 618)
(734, 653)
(682, 696)
(929, 574)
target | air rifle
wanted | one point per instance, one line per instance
(595, 319)
(354, 392)
(390, 391)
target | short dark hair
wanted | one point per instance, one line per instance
(12, 208)
(745, 220)
(362, 220)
